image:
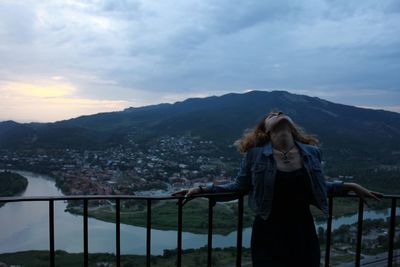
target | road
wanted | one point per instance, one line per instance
(379, 260)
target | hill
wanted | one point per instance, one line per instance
(347, 133)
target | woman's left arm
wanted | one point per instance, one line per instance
(341, 188)
(362, 192)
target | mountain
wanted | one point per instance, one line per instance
(347, 132)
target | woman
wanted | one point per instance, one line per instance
(282, 173)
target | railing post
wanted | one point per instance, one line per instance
(209, 236)
(85, 234)
(51, 232)
(148, 233)
(118, 231)
(391, 232)
(329, 231)
(359, 231)
(239, 232)
(179, 247)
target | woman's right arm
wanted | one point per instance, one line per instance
(241, 184)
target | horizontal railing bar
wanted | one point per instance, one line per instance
(81, 197)
(384, 196)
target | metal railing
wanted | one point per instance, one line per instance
(211, 202)
(360, 228)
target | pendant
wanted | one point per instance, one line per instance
(286, 160)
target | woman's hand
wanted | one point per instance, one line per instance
(187, 193)
(362, 192)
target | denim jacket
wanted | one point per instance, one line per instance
(256, 177)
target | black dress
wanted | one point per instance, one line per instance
(288, 237)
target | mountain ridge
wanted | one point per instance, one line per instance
(220, 118)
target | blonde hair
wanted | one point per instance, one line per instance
(257, 136)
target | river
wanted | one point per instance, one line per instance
(25, 226)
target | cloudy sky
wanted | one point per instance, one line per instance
(61, 59)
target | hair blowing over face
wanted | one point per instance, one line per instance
(257, 136)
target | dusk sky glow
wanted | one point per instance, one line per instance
(66, 58)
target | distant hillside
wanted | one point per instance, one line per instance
(347, 133)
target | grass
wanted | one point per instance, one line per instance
(165, 216)
(338, 259)
(190, 258)
(195, 214)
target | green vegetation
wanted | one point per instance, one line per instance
(11, 184)
(190, 258)
(341, 206)
(195, 214)
(337, 259)
(165, 215)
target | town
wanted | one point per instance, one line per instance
(169, 163)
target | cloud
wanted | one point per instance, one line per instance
(44, 90)
(56, 99)
(391, 108)
(133, 50)
(49, 101)
(50, 110)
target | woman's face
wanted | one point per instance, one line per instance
(282, 132)
(279, 126)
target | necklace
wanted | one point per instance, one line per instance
(285, 158)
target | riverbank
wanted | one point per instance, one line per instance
(165, 215)
(195, 214)
(11, 184)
